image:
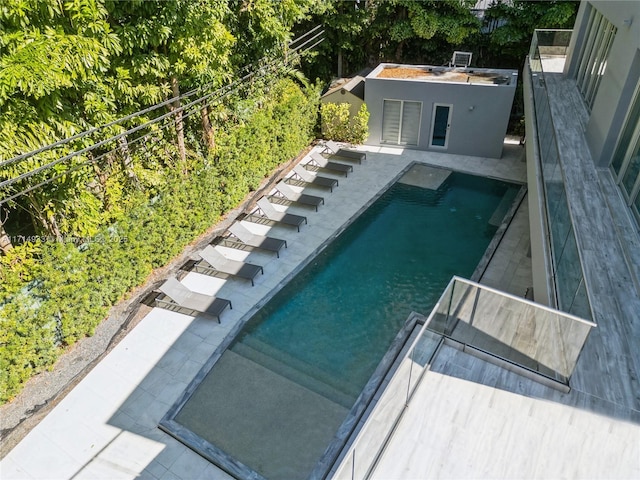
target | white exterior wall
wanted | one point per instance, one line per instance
(621, 76)
(480, 112)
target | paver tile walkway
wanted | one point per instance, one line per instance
(106, 427)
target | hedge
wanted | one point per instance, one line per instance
(54, 293)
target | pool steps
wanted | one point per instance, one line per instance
(298, 371)
(503, 207)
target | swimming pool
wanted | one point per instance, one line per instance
(275, 398)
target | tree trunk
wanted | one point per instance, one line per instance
(175, 90)
(127, 161)
(208, 134)
(5, 240)
(399, 49)
(47, 222)
(340, 63)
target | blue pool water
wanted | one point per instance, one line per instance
(275, 398)
(342, 312)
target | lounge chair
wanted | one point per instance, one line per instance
(307, 177)
(287, 218)
(335, 149)
(184, 300)
(220, 263)
(291, 195)
(321, 162)
(257, 241)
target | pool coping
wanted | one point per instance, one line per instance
(340, 442)
(491, 249)
(218, 456)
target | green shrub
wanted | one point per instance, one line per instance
(52, 294)
(338, 125)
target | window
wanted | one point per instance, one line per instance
(628, 134)
(593, 57)
(401, 122)
(632, 172)
(626, 160)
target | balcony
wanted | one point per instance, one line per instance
(490, 327)
(549, 50)
(568, 289)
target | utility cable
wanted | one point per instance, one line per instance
(230, 88)
(132, 115)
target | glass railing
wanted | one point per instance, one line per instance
(498, 327)
(548, 42)
(361, 457)
(568, 277)
(545, 341)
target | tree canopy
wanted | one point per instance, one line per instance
(68, 67)
(517, 20)
(362, 33)
(148, 120)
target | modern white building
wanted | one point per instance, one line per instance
(493, 385)
(458, 110)
(449, 412)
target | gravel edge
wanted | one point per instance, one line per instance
(45, 390)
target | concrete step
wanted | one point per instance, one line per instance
(297, 371)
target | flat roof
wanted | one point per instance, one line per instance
(354, 85)
(430, 73)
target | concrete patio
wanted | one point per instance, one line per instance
(106, 427)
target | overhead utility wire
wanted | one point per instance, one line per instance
(135, 114)
(156, 120)
(94, 130)
(114, 138)
(74, 168)
(66, 172)
(150, 109)
(92, 160)
(31, 173)
(49, 165)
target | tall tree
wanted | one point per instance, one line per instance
(5, 240)
(51, 56)
(343, 50)
(366, 32)
(174, 44)
(509, 42)
(422, 32)
(265, 26)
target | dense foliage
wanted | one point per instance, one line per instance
(90, 218)
(338, 125)
(363, 33)
(56, 292)
(162, 136)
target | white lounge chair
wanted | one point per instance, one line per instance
(267, 209)
(184, 300)
(345, 153)
(307, 177)
(296, 197)
(321, 162)
(257, 241)
(221, 263)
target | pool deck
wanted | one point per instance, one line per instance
(106, 427)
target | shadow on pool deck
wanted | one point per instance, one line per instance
(108, 423)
